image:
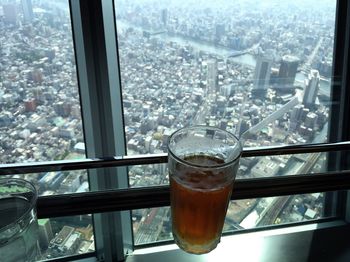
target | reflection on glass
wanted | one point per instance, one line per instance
(65, 236)
(283, 165)
(154, 224)
(251, 213)
(148, 175)
(249, 167)
(151, 225)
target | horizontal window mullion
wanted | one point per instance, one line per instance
(147, 197)
(77, 258)
(87, 163)
(66, 165)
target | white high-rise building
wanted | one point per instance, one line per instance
(27, 10)
(212, 75)
(45, 232)
(10, 13)
(262, 74)
(312, 85)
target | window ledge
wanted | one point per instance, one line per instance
(313, 242)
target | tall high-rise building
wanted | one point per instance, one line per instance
(27, 10)
(311, 120)
(296, 113)
(262, 75)
(164, 16)
(312, 85)
(219, 31)
(10, 13)
(45, 232)
(243, 126)
(212, 76)
(287, 72)
(295, 117)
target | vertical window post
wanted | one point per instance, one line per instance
(339, 126)
(102, 115)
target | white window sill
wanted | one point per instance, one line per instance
(326, 241)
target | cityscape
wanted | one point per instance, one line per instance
(259, 70)
(201, 69)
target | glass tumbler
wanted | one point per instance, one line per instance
(203, 163)
(18, 221)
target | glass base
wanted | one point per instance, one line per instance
(196, 249)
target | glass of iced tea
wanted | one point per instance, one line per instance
(203, 163)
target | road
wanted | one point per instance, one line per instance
(271, 213)
(307, 65)
(203, 111)
(238, 129)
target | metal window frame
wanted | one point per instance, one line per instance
(102, 118)
(339, 127)
(155, 196)
(113, 161)
(97, 69)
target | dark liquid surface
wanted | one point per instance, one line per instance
(12, 208)
(204, 160)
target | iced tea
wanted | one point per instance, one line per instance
(199, 203)
(202, 163)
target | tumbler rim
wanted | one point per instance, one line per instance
(225, 164)
(32, 201)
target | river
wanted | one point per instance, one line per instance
(245, 59)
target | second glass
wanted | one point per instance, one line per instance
(18, 221)
(203, 163)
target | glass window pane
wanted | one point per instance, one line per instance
(154, 224)
(60, 182)
(151, 225)
(283, 165)
(261, 67)
(148, 175)
(249, 167)
(40, 116)
(65, 236)
(247, 65)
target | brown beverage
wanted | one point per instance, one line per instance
(199, 200)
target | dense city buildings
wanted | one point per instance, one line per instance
(260, 82)
(181, 64)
